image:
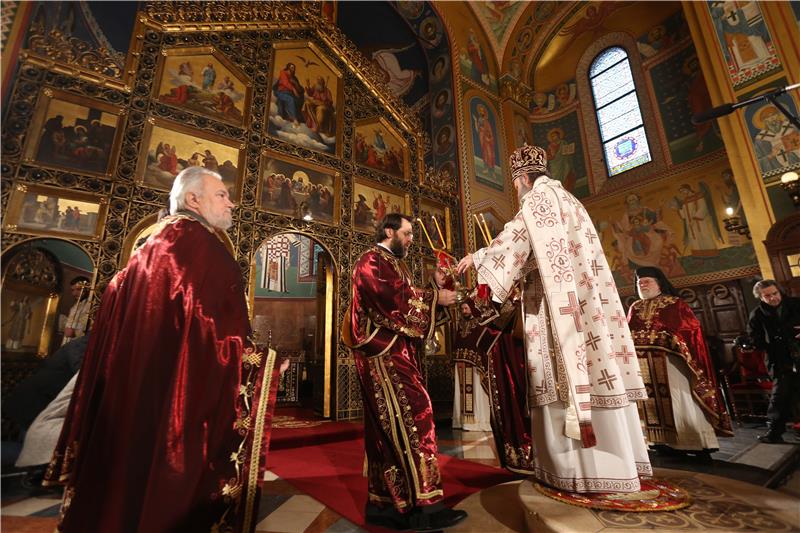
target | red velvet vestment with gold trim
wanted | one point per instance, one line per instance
(388, 320)
(666, 325)
(171, 398)
(485, 341)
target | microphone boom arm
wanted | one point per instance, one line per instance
(726, 109)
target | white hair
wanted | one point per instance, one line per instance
(190, 179)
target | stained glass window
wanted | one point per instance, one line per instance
(617, 108)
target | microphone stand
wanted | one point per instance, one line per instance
(727, 109)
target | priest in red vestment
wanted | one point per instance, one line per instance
(684, 409)
(483, 339)
(168, 426)
(386, 325)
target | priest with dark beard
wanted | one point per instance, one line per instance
(386, 325)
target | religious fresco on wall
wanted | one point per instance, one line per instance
(561, 97)
(372, 201)
(440, 68)
(170, 147)
(378, 146)
(443, 141)
(498, 16)
(486, 154)
(474, 61)
(776, 142)
(305, 113)
(745, 41)
(442, 103)
(676, 225)
(522, 130)
(492, 222)
(528, 30)
(590, 23)
(202, 81)
(678, 98)
(663, 36)
(286, 267)
(438, 230)
(390, 44)
(439, 112)
(298, 188)
(561, 139)
(55, 212)
(74, 133)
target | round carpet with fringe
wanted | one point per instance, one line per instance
(656, 495)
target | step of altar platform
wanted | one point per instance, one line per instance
(718, 503)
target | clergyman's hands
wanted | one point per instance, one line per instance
(465, 263)
(446, 297)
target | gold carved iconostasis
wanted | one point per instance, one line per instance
(90, 150)
(197, 85)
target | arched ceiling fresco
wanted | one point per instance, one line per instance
(498, 19)
(408, 41)
(552, 62)
(383, 35)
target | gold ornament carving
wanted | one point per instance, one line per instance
(517, 91)
(58, 47)
(439, 180)
(218, 13)
(31, 266)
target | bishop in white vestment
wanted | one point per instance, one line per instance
(583, 374)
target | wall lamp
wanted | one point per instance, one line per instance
(790, 181)
(734, 223)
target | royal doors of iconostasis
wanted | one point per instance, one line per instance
(45, 294)
(292, 292)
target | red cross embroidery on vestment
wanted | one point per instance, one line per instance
(624, 354)
(607, 379)
(592, 340)
(586, 281)
(573, 309)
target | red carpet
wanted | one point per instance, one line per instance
(332, 474)
(294, 427)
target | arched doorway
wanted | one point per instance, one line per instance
(292, 293)
(39, 305)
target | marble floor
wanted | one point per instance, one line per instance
(742, 468)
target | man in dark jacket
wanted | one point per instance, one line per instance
(775, 327)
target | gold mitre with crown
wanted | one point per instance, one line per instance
(527, 159)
